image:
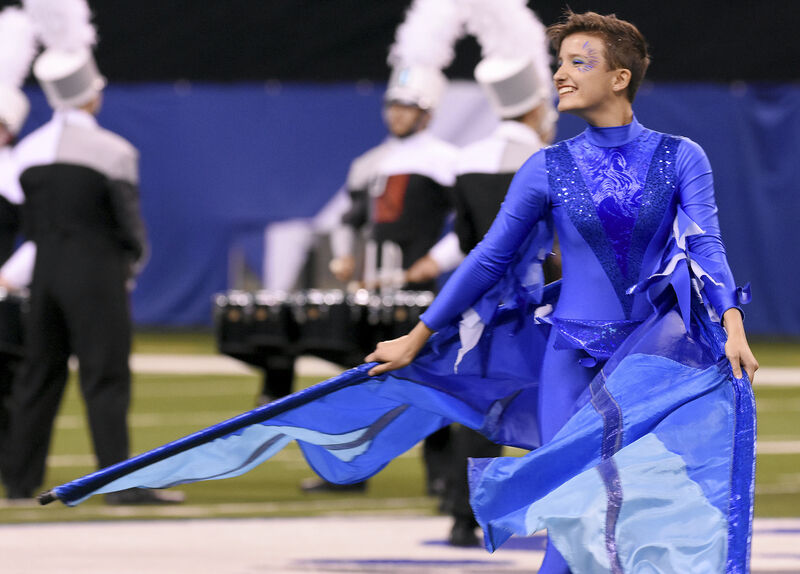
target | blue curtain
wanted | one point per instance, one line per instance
(222, 160)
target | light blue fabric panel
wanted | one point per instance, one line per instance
(700, 432)
(502, 487)
(666, 524)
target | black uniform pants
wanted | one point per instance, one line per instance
(8, 368)
(78, 306)
(465, 443)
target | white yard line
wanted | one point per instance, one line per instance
(221, 365)
(778, 377)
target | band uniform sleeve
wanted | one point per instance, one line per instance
(447, 253)
(463, 225)
(525, 204)
(697, 200)
(125, 204)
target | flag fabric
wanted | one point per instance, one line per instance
(350, 426)
(653, 473)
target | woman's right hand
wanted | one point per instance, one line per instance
(398, 353)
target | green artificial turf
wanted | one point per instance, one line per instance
(167, 407)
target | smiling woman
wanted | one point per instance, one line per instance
(631, 207)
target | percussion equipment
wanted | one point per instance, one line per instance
(326, 321)
(330, 324)
(333, 324)
(271, 323)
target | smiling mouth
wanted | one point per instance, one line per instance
(565, 90)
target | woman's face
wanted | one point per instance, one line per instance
(583, 78)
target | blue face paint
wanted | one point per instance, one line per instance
(591, 59)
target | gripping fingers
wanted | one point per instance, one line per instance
(380, 369)
(735, 365)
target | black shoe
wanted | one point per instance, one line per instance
(321, 485)
(463, 535)
(133, 496)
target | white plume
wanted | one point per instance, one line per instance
(62, 24)
(428, 34)
(509, 29)
(17, 46)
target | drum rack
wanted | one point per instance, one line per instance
(341, 326)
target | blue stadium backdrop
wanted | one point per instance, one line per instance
(221, 161)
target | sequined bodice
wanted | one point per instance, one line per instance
(615, 179)
(615, 197)
(613, 194)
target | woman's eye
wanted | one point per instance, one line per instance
(578, 62)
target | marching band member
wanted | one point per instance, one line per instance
(81, 208)
(515, 75)
(17, 50)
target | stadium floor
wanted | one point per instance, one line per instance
(374, 544)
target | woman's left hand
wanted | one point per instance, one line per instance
(736, 348)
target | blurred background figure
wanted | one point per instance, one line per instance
(515, 75)
(17, 50)
(400, 189)
(81, 209)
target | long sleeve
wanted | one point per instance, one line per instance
(525, 204)
(697, 200)
(127, 212)
(463, 225)
(125, 203)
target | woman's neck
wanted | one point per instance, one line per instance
(618, 112)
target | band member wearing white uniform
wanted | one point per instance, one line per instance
(400, 189)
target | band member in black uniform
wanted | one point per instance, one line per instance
(17, 49)
(82, 210)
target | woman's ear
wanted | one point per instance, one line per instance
(621, 79)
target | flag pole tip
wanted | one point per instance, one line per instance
(47, 497)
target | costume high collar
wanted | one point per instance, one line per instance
(614, 136)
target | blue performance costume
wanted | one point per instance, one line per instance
(642, 441)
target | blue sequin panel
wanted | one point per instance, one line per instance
(616, 198)
(659, 190)
(615, 178)
(598, 338)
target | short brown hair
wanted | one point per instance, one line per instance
(625, 46)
